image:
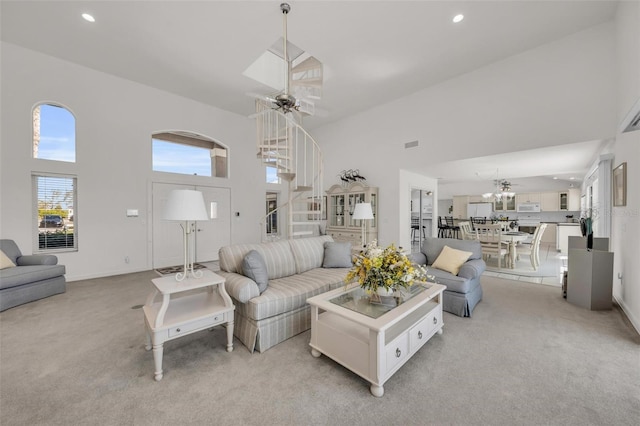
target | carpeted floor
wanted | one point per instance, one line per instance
(527, 357)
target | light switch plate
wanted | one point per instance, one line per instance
(132, 212)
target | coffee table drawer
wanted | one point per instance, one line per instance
(397, 351)
(422, 331)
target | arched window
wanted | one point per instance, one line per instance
(54, 133)
(188, 153)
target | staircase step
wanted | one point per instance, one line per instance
(273, 155)
(274, 139)
(310, 82)
(310, 63)
(302, 188)
(273, 161)
(279, 167)
(287, 176)
(272, 147)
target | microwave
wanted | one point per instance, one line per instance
(528, 208)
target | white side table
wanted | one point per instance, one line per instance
(171, 318)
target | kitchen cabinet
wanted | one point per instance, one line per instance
(342, 201)
(549, 202)
(505, 205)
(460, 206)
(569, 200)
(528, 197)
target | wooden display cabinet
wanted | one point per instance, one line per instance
(342, 201)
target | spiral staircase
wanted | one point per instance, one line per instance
(286, 146)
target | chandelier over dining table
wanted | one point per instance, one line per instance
(503, 190)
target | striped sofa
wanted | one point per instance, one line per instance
(281, 311)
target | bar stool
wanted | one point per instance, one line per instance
(415, 228)
(442, 228)
(453, 230)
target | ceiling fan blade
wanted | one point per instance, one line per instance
(261, 96)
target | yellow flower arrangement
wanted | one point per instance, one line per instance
(387, 268)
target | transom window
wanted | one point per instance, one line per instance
(188, 153)
(54, 133)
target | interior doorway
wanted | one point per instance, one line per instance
(421, 211)
(209, 235)
(271, 226)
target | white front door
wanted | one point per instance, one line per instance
(208, 237)
(215, 233)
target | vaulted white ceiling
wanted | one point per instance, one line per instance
(373, 51)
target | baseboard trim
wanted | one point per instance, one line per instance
(72, 278)
(635, 323)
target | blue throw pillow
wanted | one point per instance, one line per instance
(254, 267)
(337, 255)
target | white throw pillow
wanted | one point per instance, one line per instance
(451, 260)
(5, 262)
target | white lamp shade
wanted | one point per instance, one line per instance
(185, 204)
(363, 211)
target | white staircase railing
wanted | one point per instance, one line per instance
(285, 145)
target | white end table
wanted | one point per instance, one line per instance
(171, 318)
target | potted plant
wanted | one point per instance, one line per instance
(383, 270)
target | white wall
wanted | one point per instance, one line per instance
(115, 119)
(625, 232)
(559, 93)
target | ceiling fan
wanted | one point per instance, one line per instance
(504, 185)
(284, 101)
(302, 75)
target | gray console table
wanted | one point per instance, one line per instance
(590, 275)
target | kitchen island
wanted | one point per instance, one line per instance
(565, 230)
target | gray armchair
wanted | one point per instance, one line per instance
(34, 277)
(463, 290)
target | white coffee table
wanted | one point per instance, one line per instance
(208, 305)
(374, 340)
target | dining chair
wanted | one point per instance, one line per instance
(466, 232)
(490, 236)
(533, 249)
(478, 220)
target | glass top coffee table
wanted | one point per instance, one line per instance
(359, 301)
(374, 338)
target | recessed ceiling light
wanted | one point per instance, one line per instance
(555, 178)
(458, 18)
(88, 17)
(571, 178)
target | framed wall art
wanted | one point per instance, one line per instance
(620, 185)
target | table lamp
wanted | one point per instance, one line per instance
(188, 206)
(363, 212)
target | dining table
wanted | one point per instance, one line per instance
(514, 238)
